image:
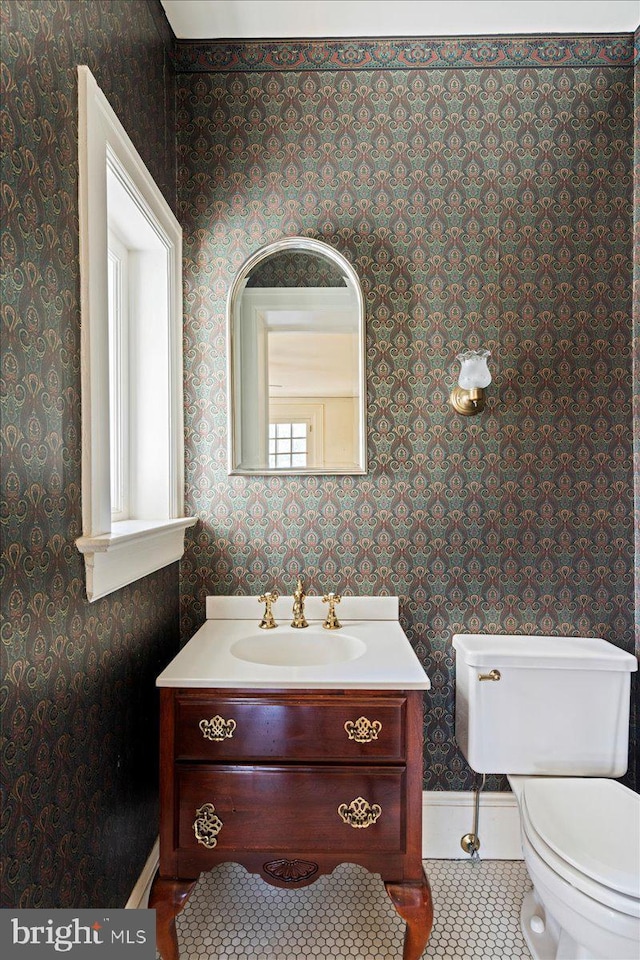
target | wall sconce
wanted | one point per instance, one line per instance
(468, 397)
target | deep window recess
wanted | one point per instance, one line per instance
(131, 357)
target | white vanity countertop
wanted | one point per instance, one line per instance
(387, 660)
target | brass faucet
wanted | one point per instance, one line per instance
(299, 598)
(268, 622)
(332, 622)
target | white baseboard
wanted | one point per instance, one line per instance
(448, 816)
(139, 898)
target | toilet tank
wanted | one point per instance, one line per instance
(559, 708)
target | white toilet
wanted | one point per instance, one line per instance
(553, 714)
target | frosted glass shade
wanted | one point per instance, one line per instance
(474, 372)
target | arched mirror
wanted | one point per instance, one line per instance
(296, 362)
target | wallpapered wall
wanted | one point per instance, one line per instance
(78, 698)
(480, 206)
(636, 343)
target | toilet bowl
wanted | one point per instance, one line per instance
(553, 714)
(581, 845)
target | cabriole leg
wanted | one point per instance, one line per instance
(413, 902)
(167, 898)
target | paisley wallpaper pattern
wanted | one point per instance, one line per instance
(415, 53)
(636, 327)
(295, 270)
(480, 205)
(484, 207)
(78, 699)
(636, 351)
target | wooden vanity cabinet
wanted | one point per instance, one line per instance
(290, 784)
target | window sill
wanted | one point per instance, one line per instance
(133, 549)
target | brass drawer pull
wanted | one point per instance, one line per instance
(217, 728)
(492, 675)
(207, 825)
(363, 730)
(359, 813)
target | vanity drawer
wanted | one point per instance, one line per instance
(282, 809)
(272, 727)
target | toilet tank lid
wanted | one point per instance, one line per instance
(568, 653)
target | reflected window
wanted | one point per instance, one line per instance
(288, 445)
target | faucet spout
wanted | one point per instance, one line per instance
(299, 598)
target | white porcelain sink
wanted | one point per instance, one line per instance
(369, 652)
(307, 647)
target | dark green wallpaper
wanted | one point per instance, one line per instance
(79, 714)
(481, 207)
(483, 192)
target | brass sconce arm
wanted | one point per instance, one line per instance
(468, 402)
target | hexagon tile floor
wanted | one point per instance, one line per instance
(232, 914)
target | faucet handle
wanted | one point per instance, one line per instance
(332, 622)
(267, 622)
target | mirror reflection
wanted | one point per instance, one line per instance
(296, 348)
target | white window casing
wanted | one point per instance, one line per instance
(125, 541)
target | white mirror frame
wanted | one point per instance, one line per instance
(305, 245)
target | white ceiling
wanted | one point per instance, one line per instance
(229, 19)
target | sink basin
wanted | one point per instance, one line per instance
(298, 648)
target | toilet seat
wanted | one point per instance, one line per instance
(588, 832)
